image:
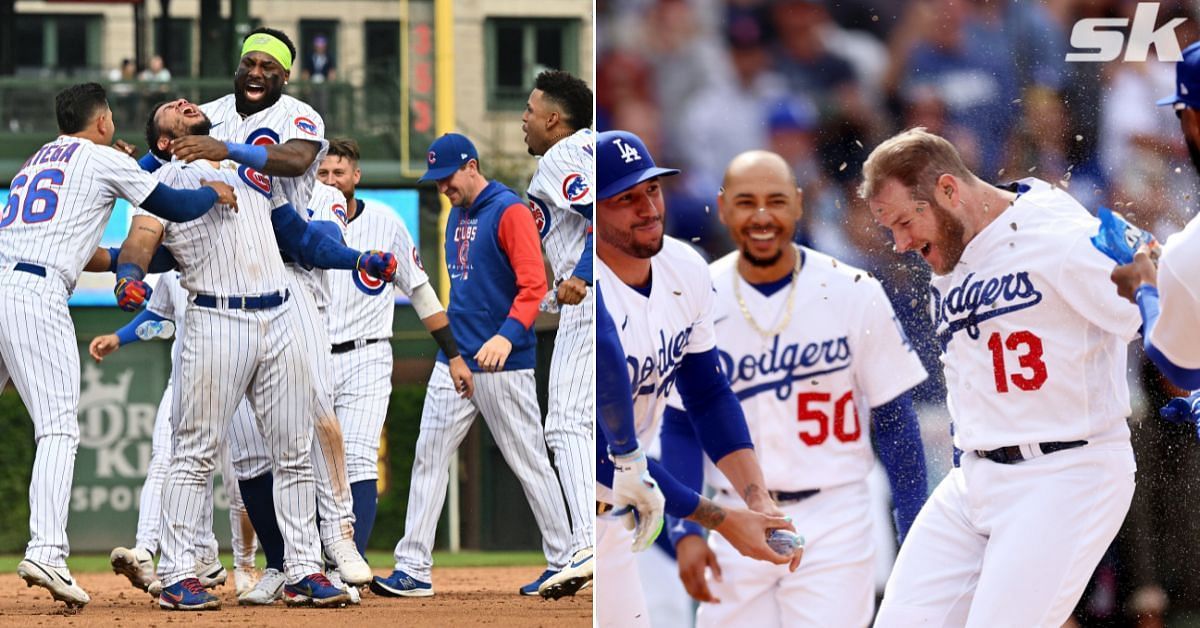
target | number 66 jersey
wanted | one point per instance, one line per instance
(1034, 336)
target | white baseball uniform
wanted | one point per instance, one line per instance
(561, 182)
(1179, 298)
(52, 221)
(360, 323)
(227, 352)
(657, 331)
(1035, 342)
(807, 393)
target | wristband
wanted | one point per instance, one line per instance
(248, 154)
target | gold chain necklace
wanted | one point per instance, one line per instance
(787, 319)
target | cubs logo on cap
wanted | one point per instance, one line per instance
(455, 150)
(432, 158)
(622, 162)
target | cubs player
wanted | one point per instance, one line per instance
(820, 365)
(556, 121)
(360, 315)
(238, 294)
(1034, 347)
(497, 279)
(168, 303)
(660, 297)
(55, 212)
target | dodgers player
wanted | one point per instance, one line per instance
(1169, 326)
(497, 279)
(1034, 348)
(53, 217)
(556, 121)
(817, 358)
(660, 297)
(360, 323)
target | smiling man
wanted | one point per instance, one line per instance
(1034, 347)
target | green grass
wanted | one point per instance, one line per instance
(98, 563)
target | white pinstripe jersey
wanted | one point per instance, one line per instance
(60, 200)
(362, 307)
(169, 300)
(328, 204)
(564, 178)
(285, 120)
(225, 253)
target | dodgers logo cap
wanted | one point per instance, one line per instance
(446, 155)
(622, 162)
(1187, 80)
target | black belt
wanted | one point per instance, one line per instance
(1012, 454)
(350, 345)
(785, 497)
(32, 269)
(257, 302)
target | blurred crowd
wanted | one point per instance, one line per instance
(822, 82)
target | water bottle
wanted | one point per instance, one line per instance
(150, 330)
(549, 302)
(785, 542)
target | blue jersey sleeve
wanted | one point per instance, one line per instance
(712, 406)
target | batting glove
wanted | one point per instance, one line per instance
(638, 499)
(1182, 409)
(378, 264)
(132, 293)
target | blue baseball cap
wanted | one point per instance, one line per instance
(1187, 80)
(446, 155)
(622, 162)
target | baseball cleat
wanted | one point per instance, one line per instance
(532, 587)
(267, 591)
(57, 580)
(315, 590)
(572, 578)
(400, 584)
(187, 595)
(244, 579)
(349, 562)
(211, 574)
(335, 579)
(136, 564)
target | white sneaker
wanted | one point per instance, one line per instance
(211, 574)
(335, 578)
(244, 579)
(353, 569)
(577, 573)
(57, 580)
(136, 564)
(268, 590)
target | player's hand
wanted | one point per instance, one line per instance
(103, 345)
(126, 147)
(1131, 276)
(635, 490)
(493, 353)
(695, 558)
(378, 264)
(460, 374)
(131, 294)
(225, 193)
(193, 147)
(747, 531)
(571, 291)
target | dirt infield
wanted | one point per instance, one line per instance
(466, 596)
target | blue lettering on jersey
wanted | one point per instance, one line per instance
(541, 215)
(1001, 295)
(784, 365)
(464, 235)
(664, 363)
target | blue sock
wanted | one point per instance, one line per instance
(258, 495)
(365, 494)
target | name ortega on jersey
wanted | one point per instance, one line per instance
(541, 215)
(257, 180)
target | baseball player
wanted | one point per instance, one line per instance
(660, 297)
(817, 359)
(556, 124)
(246, 337)
(55, 212)
(1169, 326)
(1034, 348)
(279, 142)
(497, 279)
(360, 315)
(168, 303)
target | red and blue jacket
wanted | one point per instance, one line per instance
(497, 277)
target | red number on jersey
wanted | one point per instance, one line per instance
(841, 430)
(1030, 359)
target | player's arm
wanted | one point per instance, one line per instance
(145, 235)
(289, 159)
(102, 346)
(572, 290)
(519, 240)
(185, 205)
(613, 390)
(433, 316)
(898, 442)
(1147, 302)
(104, 260)
(320, 245)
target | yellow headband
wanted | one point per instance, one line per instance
(262, 42)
